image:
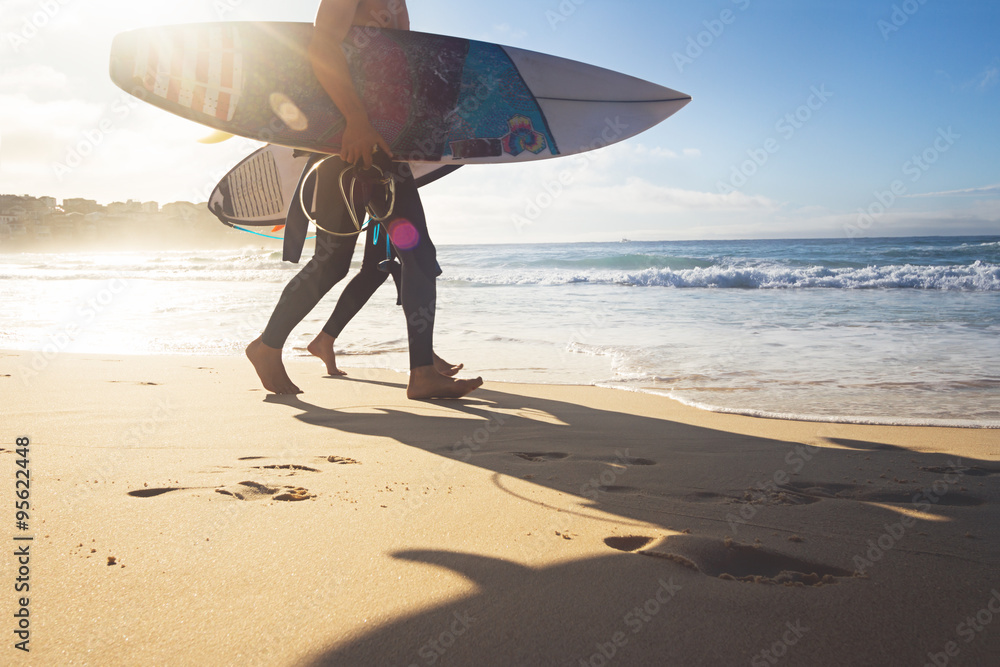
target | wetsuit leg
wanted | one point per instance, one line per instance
(416, 252)
(362, 286)
(329, 264)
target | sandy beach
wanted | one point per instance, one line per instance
(180, 515)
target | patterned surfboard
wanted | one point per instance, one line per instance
(434, 98)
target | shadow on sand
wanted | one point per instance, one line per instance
(798, 554)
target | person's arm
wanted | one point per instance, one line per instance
(333, 21)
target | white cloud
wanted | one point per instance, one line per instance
(42, 127)
(988, 78)
(33, 78)
(985, 79)
(640, 149)
(989, 190)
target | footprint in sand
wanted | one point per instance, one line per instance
(782, 496)
(296, 493)
(969, 471)
(856, 492)
(626, 460)
(619, 489)
(732, 561)
(287, 466)
(342, 460)
(631, 543)
(150, 493)
(258, 491)
(708, 497)
(538, 457)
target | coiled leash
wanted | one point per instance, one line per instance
(387, 264)
(367, 179)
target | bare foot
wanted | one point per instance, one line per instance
(322, 347)
(271, 371)
(426, 382)
(444, 368)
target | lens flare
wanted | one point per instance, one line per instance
(403, 234)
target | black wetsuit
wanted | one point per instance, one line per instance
(332, 258)
(368, 279)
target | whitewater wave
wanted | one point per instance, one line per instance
(975, 277)
(233, 266)
(831, 419)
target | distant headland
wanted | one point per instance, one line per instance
(41, 223)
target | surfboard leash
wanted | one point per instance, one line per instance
(351, 173)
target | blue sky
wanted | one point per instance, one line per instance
(809, 119)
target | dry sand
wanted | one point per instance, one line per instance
(181, 515)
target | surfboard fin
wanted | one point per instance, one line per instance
(216, 137)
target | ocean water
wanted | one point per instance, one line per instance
(901, 330)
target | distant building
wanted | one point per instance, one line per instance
(48, 202)
(67, 225)
(150, 207)
(180, 209)
(17, 213)
(83, 206)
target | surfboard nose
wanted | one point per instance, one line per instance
(590, 107)
(550, 77)
(122, 61)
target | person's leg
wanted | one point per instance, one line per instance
(329, 264)
(351, 300)
(356, 295)
(408, 231)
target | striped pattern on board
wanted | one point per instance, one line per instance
(198, 69)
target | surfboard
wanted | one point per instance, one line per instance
(433, 98)
(261, 188)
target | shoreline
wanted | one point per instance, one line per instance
(301, 356)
